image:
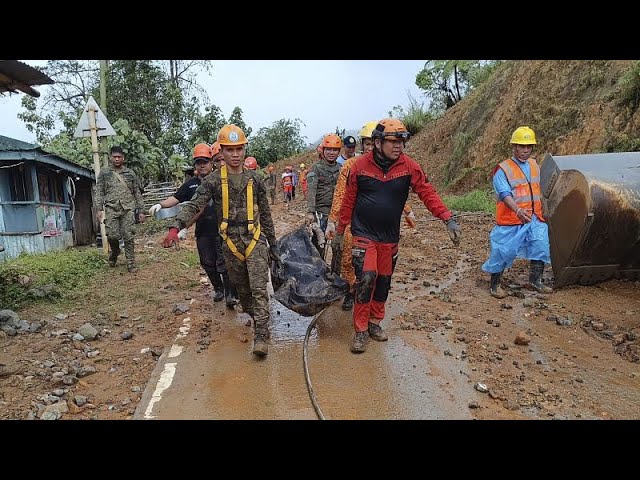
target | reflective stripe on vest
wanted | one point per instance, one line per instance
(527, 195)
(225, 217)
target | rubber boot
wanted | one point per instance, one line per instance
(535, 277)
(218, 287)
(115, 251)
(496, 290)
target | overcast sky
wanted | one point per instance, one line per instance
(323, 94)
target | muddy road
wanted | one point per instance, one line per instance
(165, 350)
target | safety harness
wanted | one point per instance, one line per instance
(225, 217)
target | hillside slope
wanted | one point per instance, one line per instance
(575, 107)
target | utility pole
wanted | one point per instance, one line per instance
(103, 96)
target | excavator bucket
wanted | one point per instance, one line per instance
(592, 206)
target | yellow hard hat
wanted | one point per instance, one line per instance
(302, 165)
(231, 135)
(367, 129)
(523, 136)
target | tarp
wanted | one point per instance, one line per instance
(305, 283)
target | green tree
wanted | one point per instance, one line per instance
(236, 119)
(206, 126)
(282, 139)
(158, 101)
(446, 82)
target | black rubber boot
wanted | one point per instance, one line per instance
(218, 287)
(535, 277)
(496, 290)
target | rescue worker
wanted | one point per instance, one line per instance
(342, 263)
(287, 184)
(377, 188)
(322, 178)
(251, 163)
(246, 227)
(348, 150)
(521, 230)
(217, 156)
(304, 171)
(207, 238)
(272, 182)
(118, 192)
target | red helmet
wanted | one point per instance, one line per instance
(251, 163)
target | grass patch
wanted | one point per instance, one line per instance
(190, 258)
(152, 225)
(474, 201)
(67, 271)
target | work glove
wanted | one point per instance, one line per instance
(171, 238)
(410, 219)
(338, 241)
(454, 231)
(330, 232)
(182, 234)
(309, 218)
(154, 209)
(274, 254)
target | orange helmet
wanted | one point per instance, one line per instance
(215, 149)
(251, 163)
(331, 141)
(390, 127)
(202, 150)
(231, 135)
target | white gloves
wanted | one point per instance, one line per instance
(154, 209)
(182, 234)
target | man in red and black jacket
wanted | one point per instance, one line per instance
(377, 189)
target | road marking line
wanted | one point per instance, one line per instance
(166, 377)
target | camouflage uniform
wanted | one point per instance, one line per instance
(251, 276)
(272, 185)
(119, 203)
(321, 182)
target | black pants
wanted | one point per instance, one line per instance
(293, 192)
(210, 259)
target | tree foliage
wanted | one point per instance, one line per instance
(282, 139)
(446, 82)
(236, 119)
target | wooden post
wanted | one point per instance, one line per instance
(103, 98)
(96, 169)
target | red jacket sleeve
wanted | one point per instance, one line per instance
(348, 201)
(427, 193)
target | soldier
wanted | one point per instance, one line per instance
(322, 180)
(272, 182)
(207, 238)
(240, 197)
(118, 192)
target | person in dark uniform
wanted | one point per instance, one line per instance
(207, 237)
